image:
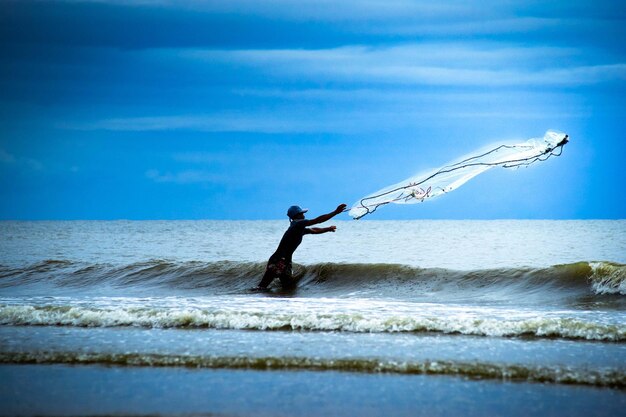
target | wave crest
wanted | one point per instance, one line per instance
(608, 278)
(476, 370)
(227, 277)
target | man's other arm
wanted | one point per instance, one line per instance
(320, 230)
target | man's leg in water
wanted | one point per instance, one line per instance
(277, 268)
(268, 277)
(286, 278)
(287, 282)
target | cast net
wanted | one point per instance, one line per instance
(434, 183)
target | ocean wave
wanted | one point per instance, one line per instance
(568, 281)
(370, 321)
(602, 377)
(608, 278)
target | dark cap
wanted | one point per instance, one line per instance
(295, 210)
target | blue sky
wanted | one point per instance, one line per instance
(238, 109)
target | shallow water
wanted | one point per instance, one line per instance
(62, 390)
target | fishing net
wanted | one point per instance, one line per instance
(432, 184)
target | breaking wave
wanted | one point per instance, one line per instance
(559, 281)
(363, 321)
(602, 377)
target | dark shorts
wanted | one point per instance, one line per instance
(278, 268)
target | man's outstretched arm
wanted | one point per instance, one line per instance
(325, 217)
(320, 230)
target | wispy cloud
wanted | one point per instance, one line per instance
(343, 121)
(379, 10)
(306, 10)
(427, 64)
(475, 27)
(198, 157)
(6, 158)
(9, 160)
(245, 122)
(183, 177)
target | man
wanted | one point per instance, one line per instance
(279, 264)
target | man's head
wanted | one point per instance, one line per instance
(296, 213)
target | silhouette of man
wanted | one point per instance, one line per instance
(279, 264)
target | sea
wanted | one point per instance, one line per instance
(421, 317)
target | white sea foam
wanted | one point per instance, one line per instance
(608, 278)
(441, 319)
